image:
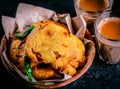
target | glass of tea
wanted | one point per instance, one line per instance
(107, 33)
(91, 9)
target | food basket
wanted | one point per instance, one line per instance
(85, 36)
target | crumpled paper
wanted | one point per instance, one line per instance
(26, 14)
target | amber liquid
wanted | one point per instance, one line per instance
(110, 28)
(93, 5)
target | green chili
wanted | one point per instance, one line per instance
(28, 30)
(27, 67)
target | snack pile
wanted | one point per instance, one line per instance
(46, 50)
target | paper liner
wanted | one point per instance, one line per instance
(9, 25)
(27, 14)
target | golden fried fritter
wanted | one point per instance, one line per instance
(53, 44)
(47, 72)
(14, 49)
(41, 44)
(17, 53)
(71, 56)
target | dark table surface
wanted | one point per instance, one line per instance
(99, 76)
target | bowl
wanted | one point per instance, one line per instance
(90, 53)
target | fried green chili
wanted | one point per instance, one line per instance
(28, 30)
(27, 68)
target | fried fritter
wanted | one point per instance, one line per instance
(17, 53)
(41, 44)
(53, 44)
(71, 57)
(47, 72)
(14, 49)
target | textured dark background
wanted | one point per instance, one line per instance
(99, 76)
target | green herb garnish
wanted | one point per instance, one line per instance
(28, 30)
(27, 67)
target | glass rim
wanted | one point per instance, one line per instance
(101, 38)
(108, 8)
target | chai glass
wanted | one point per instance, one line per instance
(91, 9)
(107, 33)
